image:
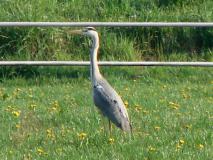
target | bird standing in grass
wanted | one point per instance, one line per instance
(105, 97)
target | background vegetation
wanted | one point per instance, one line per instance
(116, 43)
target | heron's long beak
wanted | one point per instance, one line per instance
(75, 32)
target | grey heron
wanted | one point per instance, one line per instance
(105, 97)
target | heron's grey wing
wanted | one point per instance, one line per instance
(107, 100)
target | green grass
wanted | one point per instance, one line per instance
(170, 108)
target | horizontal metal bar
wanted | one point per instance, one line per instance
(106, 24)
(103, 63)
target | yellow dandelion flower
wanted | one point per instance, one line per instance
(18, 126)
(40, 151)
(178, 146)
(211, 82)
(55, 106)
(54, 109)
(181, 141)
(126, 89)
(101, 129)
(111, 140)
(138, 109)
(200, 146)
(185, 96)
(50, 133)
(187, 126)
(174, 105)
(18, 89)
(82, 136)
(157, 128)
(151, 149)
(16, 92)
(16, 113)
(33, 106)
(164, 86)
(126, 104)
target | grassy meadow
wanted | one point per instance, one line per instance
(48, 113)
(51, 115)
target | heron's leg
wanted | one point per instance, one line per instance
(131, 130)
(102, 120)
(105, 128)
(110, 127)
(103, 123)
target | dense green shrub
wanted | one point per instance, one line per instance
(116, 43)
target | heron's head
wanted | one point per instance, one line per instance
(88, 31)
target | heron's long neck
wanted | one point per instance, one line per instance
(94, 70)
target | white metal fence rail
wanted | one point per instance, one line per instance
(102, 63)
(105, 24)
